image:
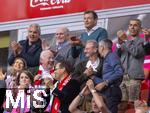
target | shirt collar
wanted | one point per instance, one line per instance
(93, 65)
(61, 45)
(92, 30)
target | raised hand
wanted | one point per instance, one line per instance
(146, 32)
(121, 36)
(89, 71)
(48, 82)
(75, 41)
(90, 84)
(2, 75)
(45, 45)
(16, 47)
(85, 91)
(37, 77)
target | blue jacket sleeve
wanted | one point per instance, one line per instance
(116, 73)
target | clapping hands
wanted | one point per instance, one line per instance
(2, 74)
(16, 47)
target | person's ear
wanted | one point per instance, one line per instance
(63, 69)
(102, 47)
(95, 50)
(41, 60)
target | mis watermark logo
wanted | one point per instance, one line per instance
(25, 98)
(48, 4)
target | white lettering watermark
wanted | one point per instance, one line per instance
(20, 99)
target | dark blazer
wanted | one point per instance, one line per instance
(30, 53)
(79, 75)
(68, 93)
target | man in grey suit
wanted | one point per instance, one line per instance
(132, 53)
(62, 46)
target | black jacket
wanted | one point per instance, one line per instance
(67, 94)
(30, 53)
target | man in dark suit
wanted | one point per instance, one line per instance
(28, 49)
(66, 89)
(90, 68)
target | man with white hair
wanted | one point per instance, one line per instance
(44, 77)
(46, 67)
(62, 46)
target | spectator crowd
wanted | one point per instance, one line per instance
(86, 74)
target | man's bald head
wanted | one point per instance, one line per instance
(62, 34)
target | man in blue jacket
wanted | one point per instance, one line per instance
(112, 74)
(28, 49)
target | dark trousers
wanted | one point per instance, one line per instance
(113, 96)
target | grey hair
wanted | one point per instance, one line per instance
(37, 26)
(106, 43)
(43, 53)
(95, 44)
(65, 29)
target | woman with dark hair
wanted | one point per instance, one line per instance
(25, 79)
(25, 83)
(11, 78)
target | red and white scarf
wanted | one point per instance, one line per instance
(56, 101)
(41, 72)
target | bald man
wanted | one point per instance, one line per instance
(46, 67)
(62, 46)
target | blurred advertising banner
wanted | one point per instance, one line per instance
(13, 10)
